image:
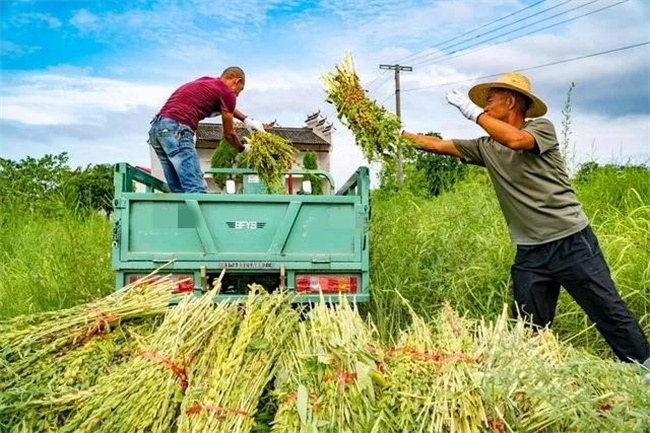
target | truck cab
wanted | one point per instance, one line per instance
(313, 245)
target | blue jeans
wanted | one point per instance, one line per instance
(173, 142)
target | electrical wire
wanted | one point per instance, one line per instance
(614, 50)
(435, 59)
(462, 54)
(469, 32)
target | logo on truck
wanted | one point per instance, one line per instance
(246, 225)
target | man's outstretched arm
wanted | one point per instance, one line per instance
(432, 144)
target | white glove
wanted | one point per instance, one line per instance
(247, 148)
(463, 103)
(252, 124)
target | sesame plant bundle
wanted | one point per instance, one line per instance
(231, 374)
(26, 341)
(45, 392)
(144, 394)
(270, 155)
(432, 375)
(532, 382)
(376, 130)
(328, 379)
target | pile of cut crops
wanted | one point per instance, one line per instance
(128, 363)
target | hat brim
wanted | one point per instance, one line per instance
(479, 94)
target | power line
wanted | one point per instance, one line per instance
(469, 31)
(430, 61)
(380, 84)
(387, 97)
(532, 67)
(515, 22)
(382, 73)
(496, 29)
(450, 57)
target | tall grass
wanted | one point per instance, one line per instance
(47, 263)
(455, 248)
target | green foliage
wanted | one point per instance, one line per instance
(55, 248)
(270, 156)
(52, 261)
(50, 186)
(224, 156)
(439, 173)
(310, 162)
(425, 174)
(33, 183)
(90, 187)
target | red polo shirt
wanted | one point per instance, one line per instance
(198, 99)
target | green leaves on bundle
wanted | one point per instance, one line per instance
(328, 380)
(433, 386)
(377, 131)
(47, 391)
(24, 340)
(270, 155)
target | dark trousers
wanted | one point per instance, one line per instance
(576, 263)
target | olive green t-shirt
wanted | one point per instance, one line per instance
(533, 188)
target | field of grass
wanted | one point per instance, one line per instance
(52, 262)
(453, 248)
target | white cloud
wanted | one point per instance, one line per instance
(28, 19)
(56, 98)
(606, 139)
(84, 20)
(10, 49)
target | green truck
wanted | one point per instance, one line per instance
(314, 245)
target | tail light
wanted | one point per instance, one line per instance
(185, 283)
(326, 284)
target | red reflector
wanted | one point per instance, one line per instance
(185, 282)
(326, 284)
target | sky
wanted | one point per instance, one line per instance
(86, 77)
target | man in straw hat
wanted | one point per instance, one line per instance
(555, 244)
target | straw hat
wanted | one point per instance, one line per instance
(513, 81)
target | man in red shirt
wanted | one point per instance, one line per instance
(172, 130)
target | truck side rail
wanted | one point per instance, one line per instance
(235, 171)
(357, 184)
(126, 176)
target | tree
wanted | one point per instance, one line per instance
(90, 187)
(310, 162)
(32, 183)
(425, 174)
(48, 184)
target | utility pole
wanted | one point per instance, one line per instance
(398, 111)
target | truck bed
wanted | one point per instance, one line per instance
(274, 240)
